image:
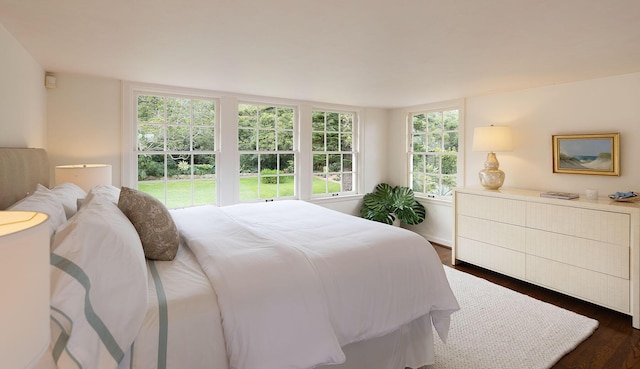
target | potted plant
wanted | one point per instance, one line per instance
(386, 203)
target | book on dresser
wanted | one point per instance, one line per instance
(560, 195)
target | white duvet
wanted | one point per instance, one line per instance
(296, 281)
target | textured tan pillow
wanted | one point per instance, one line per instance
(153, 222)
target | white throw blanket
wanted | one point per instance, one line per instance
(296, 281)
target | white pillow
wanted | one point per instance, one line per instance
(68, 194)
(110, 192)
(98, 287)
(44, 201)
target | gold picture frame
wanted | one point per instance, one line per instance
(597, 154)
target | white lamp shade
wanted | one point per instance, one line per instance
(84, 175)
(24, 288)
(492, 139)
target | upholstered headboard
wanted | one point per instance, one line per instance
(20, 171)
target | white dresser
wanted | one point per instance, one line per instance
(588, 249)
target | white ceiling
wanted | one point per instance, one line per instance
(356, 52)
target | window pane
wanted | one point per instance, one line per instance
(320, 184)
(333, 142)
(204, 192)
(434, 121)
(285, 118)
(419, 123)
(178, 138)
(247, 116)
(287, 186)
(204, 166)
(317, 139)
(285, 140)
(333, 121)
(432, 164)
(249, 163)
(434, 142)
(150, 109)
(179, 194)
(448, 184)
(451, 141)
(317, 121)
(319, 163)
(247, 139)
(150, 137)
(451, 120)
(179, 166)
(418, 182)
(178, 110)
(419, 143)
(346, 122)
(268, 161)
(335, 163)
(248, 188)
(203, 112)
(286, 163)
(203, 138)
(150, 168)
(431, 184)
(347, 182)
(449, 164)
(267, 141)
(347, 162)
(418, 163)
(268, 117)
(346, 141)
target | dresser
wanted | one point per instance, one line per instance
(588, 249)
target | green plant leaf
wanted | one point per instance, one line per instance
(386, 202)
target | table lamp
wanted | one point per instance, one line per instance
(24, 288)
(491, 139)
(84, 175)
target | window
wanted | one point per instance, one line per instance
(433, 152)
(333, 152)
(266, 143)
(176, 149)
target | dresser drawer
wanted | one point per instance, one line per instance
(492, 208)
(602, 289)
(594, 255)
(500, 234)
(584, 223)
(492, 257)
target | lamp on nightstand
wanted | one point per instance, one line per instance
(491, 139)
(24, 288)
(84, 175)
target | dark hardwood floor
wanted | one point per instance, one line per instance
(615, 344)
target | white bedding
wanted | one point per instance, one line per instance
(295, 282)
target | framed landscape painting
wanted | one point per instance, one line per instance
(587, 154)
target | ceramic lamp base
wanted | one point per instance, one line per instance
(491, 177)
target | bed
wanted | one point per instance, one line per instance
(275, 285)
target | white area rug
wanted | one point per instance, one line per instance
(500, 328)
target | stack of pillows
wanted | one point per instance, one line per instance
(99, 277)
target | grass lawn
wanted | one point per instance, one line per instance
(179, 192)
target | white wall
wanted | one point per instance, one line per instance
(603, 105)
(22, 96)
(83, 122)
(595, 106)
